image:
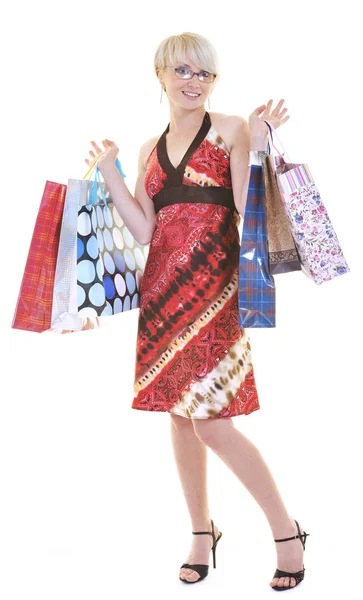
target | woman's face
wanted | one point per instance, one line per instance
(189, 93)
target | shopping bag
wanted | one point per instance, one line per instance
(318, 246)
(283, 256)
(256, 286)
(100, 264)
(34, 305)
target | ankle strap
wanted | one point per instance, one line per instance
(294, 537)
(205, 532)
(301, 536)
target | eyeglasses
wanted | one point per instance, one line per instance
(185, 73)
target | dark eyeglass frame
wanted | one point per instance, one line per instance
(192, 73)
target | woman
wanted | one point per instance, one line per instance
(193, 360)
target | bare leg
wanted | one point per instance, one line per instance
(191, 460)
(246, 462)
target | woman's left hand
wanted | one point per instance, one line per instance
(276, 117)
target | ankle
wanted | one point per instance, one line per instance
(284, 528)
(202, 524)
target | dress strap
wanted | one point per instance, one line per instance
(202, 133)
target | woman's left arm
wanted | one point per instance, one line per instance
(239, 162)
(250, 138)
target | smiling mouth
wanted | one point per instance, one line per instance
(191, 94)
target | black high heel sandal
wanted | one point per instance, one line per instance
(299, 576)
(202, 570)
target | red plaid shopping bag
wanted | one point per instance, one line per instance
(34, 306)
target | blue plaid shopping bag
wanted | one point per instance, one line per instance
(256, 285)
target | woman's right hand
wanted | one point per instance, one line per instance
(105, 157)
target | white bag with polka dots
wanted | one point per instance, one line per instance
(99, 265)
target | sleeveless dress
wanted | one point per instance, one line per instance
(192, 357)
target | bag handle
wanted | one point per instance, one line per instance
(89, 170)
(94, 171)
(271, 129)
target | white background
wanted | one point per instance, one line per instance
(91, 506)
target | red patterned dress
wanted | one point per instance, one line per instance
(192, 357)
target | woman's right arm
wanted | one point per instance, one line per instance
(137, 212)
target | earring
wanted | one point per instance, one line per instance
(161, 95)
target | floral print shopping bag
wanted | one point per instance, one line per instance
(318, 246)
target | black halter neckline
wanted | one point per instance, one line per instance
(175, 175)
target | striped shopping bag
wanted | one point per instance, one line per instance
(34, 305)
(256, 286)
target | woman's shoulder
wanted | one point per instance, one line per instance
(228, 127)
(147, 147)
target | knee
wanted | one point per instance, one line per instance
(212, 431)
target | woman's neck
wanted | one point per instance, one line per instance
(183, 120)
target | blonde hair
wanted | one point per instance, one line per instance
(176, 49)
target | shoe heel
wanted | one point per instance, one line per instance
(214, 557)
(214, 550)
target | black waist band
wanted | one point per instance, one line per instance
(182, 194)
